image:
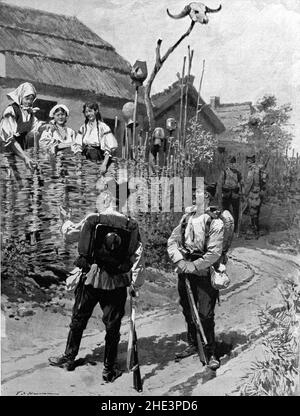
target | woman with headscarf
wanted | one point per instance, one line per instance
(95, 139)
(57, 136)
(18, 120)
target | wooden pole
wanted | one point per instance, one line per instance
(159, 61)
(134, 122)
(199, 91)
(127, 149)
(145, 146)
(181, 102)
(190, 56)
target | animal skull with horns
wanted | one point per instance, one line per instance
(196, 11)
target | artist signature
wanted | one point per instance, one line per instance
(33, 393)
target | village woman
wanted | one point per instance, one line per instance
(57, 136)
(18, 121)
(95, 139)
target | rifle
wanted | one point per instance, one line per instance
(195, 316)
(132, 352)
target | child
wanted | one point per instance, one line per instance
(95, 139)
(57, 136)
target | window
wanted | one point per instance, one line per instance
(111, 123)
(44, 108)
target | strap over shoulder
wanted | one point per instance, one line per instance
(118, 221)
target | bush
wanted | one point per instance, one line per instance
(277, 374)
(156, 228)
(15, 258)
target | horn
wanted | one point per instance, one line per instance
(208, 10)
(184, 13)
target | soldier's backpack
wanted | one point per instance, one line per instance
(232, 178)
(260, 178)
(219, 276)
(213, 213)
(115, 240)
(263, 177)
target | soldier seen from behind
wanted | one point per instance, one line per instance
(110, 260)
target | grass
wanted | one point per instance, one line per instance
(277, 374)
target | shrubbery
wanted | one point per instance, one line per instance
(277, 374)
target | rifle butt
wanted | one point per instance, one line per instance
(201, 351)
(137, 379)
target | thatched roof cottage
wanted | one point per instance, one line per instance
(65, 61)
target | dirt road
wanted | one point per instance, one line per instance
(256, 274)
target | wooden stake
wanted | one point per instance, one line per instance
(159, 61)
(199, 91)
(190, 56)
(134, 122)
(181, 102)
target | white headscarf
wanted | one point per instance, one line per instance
(56, 107)
(22, 91)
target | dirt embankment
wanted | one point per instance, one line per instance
(28, 341)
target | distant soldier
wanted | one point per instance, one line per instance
(255, 188)
(230, 184)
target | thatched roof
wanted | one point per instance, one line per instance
(167, 98)
(232, 114)
(60, 51)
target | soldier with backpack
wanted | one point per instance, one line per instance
(255, 188)
(110, 258)
(230, 183)
(201, 240)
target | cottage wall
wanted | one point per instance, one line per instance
(75, 104)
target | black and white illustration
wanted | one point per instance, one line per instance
(150, 198)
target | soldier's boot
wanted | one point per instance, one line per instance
(110, 371)
(67, 360)
(63, 361)
(208, 326)
(213, 363)
(192, 347)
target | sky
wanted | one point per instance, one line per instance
(250, 47)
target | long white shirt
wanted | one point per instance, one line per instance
(61, 135)
(9, 127)
(102, 137)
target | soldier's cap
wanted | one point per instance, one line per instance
(250, 158)
(208, 187)
(232, 159)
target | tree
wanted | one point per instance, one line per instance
(266, 128)
(159, 61)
